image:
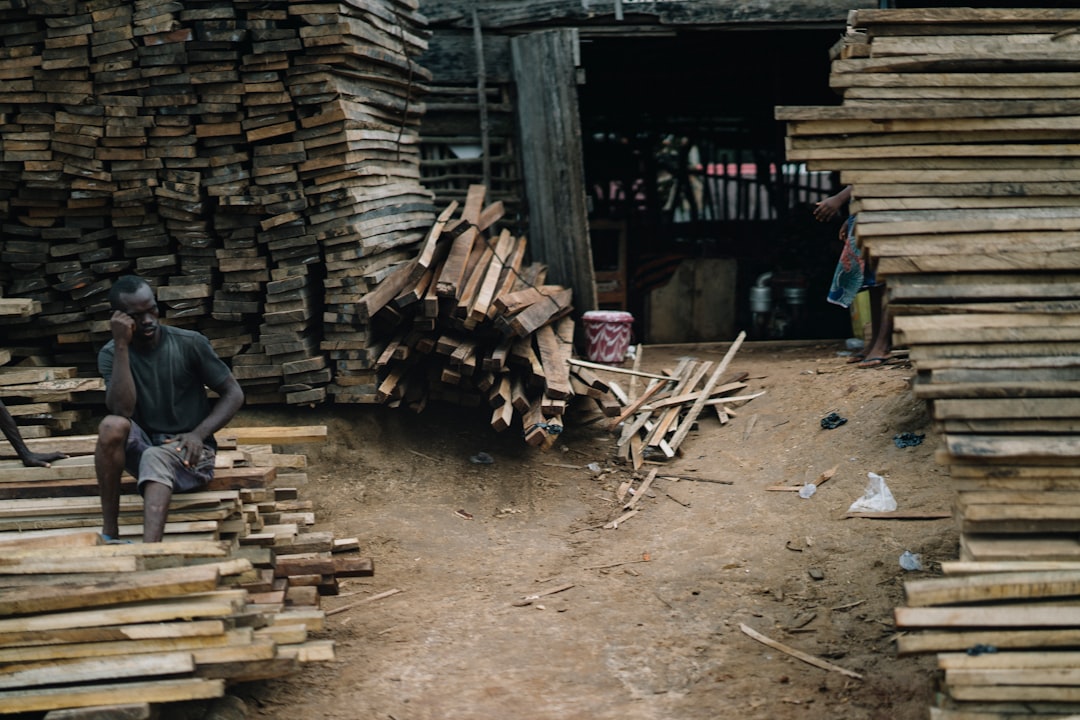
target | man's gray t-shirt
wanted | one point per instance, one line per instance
(170, 380)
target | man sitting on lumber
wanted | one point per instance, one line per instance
(11, 432)
(161, 424)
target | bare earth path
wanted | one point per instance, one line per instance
(650, 629)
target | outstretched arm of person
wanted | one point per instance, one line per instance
(29, 458)
(829, 208)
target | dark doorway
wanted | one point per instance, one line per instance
(683, 157)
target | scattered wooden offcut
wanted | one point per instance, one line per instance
(655, 424)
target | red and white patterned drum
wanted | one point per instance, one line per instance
(608, 333)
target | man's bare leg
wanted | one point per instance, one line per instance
(881, 319)
(109, 466)
(156, 498)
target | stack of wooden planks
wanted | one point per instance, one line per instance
(1005, 634)
(467, 322)
(231, 595)
(958, 132)
(44, 400)
(238, 155)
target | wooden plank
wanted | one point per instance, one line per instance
(87, 670)
(706, 392)
(282, 435)
(160, 691)
(125, 711)
(653, 388)
(535, 316)
(998, 616)
(553, 357)
(478, 310)
(995, 586)
(221, 603)
(453, 270)
(133, 587)
(426, 258)
(159, 632)
(1002, 660)
(692, 375)
(984, 446)
(913, 643)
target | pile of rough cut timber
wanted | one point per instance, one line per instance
(654, 425)
(243, 156)
(465, 322)
(960, 134)
(231, 595)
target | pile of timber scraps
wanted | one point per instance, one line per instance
(230, 596)
(1006, 635)
(463, 321)
(655, 424)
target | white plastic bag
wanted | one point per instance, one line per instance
(878, 497)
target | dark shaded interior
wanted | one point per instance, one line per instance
(648, 101)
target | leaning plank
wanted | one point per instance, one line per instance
(554, 358)
(427, 250)
(653, 388)
(798, 654)
(161, 691)
(453, 271)
(695, 410)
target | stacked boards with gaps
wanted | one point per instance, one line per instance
(246, 158)
(959, 131)
(232, 594)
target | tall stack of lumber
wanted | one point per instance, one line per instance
(959, 133)
(1006, 635)
(231, 595)
(467, 321)
(238, 155)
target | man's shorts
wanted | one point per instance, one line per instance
(155, 459)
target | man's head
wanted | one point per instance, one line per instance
(132, 296)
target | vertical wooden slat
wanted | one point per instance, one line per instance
(546, 83)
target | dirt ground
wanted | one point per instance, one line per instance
(650, 629)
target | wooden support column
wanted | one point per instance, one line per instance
(546, 80)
